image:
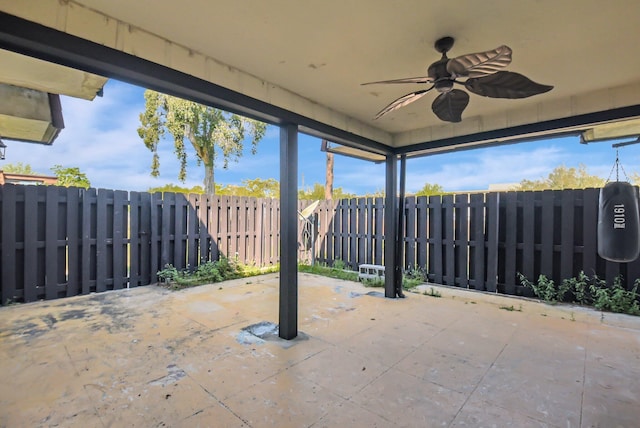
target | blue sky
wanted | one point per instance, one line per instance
(100, 138)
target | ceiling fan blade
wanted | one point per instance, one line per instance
(423, 79)
(505, 84)
(450, 105)
(481, 63)
(401, 102)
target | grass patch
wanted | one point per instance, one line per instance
(331, 272)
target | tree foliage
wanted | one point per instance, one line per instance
(430, 189)
(176, 189)
(256, 188)
(316, 193)
(19, 168)
(213, 133)
(70, 177)
(563, 177)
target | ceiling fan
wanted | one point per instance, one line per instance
(483, 75)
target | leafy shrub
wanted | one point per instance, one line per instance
(416, 273)
(615, 298)
(209, 272)
(339, 264)
(580, 287)
(168, 274)
(589, 291)
(544, 289)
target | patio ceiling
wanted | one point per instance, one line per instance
(310, 58)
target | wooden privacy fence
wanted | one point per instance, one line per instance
(57, 242)
(478, 241)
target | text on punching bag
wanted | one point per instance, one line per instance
(618, 216)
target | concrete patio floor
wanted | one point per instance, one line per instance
(151, 357)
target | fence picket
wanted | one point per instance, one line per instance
(52, 265)
(493, 229)
(435, 227)
(422, 244)
(567, 247)
(119, 246)
(547, 238)
(528, 234)
(477, 244)
(510, 238)
(73, 225)
(179, 234)
(8, 259)
(461, 241)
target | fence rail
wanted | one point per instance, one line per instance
(57, 242)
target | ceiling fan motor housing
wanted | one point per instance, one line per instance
(441, 77)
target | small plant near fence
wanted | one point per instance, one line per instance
(588, 291)
(433, 293)
(209, 272)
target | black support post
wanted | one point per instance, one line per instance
(288, 318)
(390, 226)
(400, 232)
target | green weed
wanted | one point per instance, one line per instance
(432, 292)
(586, 290)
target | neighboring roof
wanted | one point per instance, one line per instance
(7, 177)
(310, 58)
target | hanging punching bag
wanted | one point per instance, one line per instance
(618, 222)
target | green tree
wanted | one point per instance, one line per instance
(19, 168)
(211, 132)
(176, 189)
(635, 179)
(563, 178)
(316, 193)
(430, 189)
(376, 194)
(71, 176)
(256, 188)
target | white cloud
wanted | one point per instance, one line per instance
(489, 166)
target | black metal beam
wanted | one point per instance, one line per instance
(38, 41)
(390, 226)
(288, 318)
(493, 137)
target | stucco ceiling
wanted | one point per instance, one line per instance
(311, 57)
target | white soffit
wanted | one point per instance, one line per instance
(610, 131)
(26, 72)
